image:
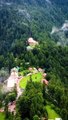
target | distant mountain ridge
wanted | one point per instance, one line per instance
(37, 2)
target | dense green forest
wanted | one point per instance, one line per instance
(19, 20)
(30, 18)
(54, 60)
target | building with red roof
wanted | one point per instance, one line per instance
(45, 81)
(30, 69)
(11, 107)
(32, 42)
(44, 74)
(1, 110)
(40, 70)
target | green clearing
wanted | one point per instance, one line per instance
(2, 116)
(51, 112)
(35, 77)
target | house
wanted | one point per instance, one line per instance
(11, 107)
(44, 74)
(45, 81)
(1, 110)
(29, 48)
(32, 42)
(30, 69)
(40, 70)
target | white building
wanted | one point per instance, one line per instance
(12, 80)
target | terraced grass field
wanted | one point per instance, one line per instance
(37, 77)
(51, 112)
(2, 116)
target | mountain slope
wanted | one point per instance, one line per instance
(20, 19)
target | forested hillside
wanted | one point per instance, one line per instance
(46, 21)
(22, 19)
